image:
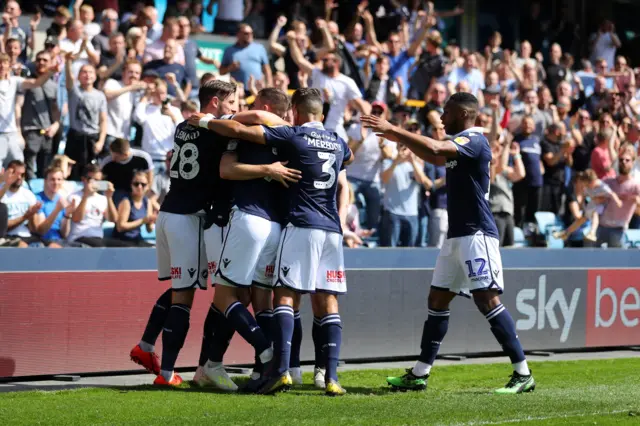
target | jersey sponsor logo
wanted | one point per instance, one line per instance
(285, 270)
(213, 267)
(462, 140)
(336, 276)
(187, 136)
(176, 272)
(226, 262)
(191, 271)
(269, 271)
(232, 145)
(451, 164)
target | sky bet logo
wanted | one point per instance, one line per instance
(539, 309)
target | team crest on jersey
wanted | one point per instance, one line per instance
(462, 140)
(232, 145)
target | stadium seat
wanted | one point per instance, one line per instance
(548, 223)
(148, 236)
(108, 228)
(518, 238)
(36, 185)
(632, 238)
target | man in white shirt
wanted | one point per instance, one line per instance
(155, 50)
(604, 43)
(158, 119)
(78, 44)
(92, 210)
(21, 204)
(11, 141)
(342, 89)
(121, 97)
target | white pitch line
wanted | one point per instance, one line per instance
(541, 418)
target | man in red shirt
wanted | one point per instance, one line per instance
(604, 154)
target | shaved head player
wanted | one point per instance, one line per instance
(469, 262)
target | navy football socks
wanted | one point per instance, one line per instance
(504, 329)
(173, 337)
(157, 319)
(241, 320)
(284, 322)
(433, 332)
(318, 342)
(296, 340)
(221, 334)
(265, 322)
(332, 330)
(207, 335)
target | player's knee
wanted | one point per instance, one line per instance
(261, 299)
(486, 300)
(324, 304)
(284, 296)
(244, 295)
(183, 297)
(225, 294)
(439, 300)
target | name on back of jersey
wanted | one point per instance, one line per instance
(188, 134)
(323, 141)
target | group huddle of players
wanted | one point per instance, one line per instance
(255, 202)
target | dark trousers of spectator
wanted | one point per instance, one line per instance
(505, 224)
(423, 229)
(80, 148)
(635, 222)
(552, 198)
(611, 236)
(398, 231)
(101, 242)
(224, 27)
(526, 201)
(372, 201)
(4, 220)
(38, 153)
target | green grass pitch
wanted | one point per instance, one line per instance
(568, 393)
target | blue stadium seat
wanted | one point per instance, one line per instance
(548, 223)
(108, 228)
(148, 236)
(518, 238)
(632, 238)
(36, 185)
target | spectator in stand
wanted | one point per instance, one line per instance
(584, 142)
(109, 26)
(86, 14)
(12, 48)
(229, 18)
(171, 71)
(556, 71)
(604, 43)
(156, 50)
(469, 74)
(246, 58)
(439, 217)
(92, 210)
(11, 139)
(342, 89)
(380, 86)
(158, 119)
(40, 120)
(120, 167)
(88, 117)
(22, 205)
(161, 184)
(65, 164)
(604, 154)
(121, 98)
(527, 193)
(364, 173)
(77, 44)
(615, 220)
(53, 221)
(557, 152)
(503, 176)
(58, 27)
(403, 178)
(147, 19)
(10, 28)
(598, 98)
(4, 222)
(134, 211)
(429, 68)
(113, 59)
(191, 53)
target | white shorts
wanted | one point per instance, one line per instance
(213, 239)
(467, 264)
(310, 260)
(180, 251)
(249, 250)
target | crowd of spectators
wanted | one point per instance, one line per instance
(94, 112)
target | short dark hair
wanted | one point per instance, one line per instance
(116, 34)
(215, 89)
(307, 101)
(466, 101)
(277, 99)
(90, 169)
(15, 163)
(120, 146)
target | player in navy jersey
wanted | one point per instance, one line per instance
(309, 256)
(469, 262)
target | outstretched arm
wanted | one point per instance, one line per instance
(232, 169)
(422, 146)
(254, 117)
(233, 129)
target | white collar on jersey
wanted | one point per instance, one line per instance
(314, 124)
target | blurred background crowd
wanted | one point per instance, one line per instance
(87, 115)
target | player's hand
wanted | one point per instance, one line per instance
(194, 120)
(379, 125)
(282, 174)
(33, 210)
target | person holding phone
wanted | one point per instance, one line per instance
(92, 210)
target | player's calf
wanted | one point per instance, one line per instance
(144, 352)
(175, 331)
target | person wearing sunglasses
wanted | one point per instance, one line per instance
(134, 211)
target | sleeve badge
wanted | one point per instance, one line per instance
(462, 140)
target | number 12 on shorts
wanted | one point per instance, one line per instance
(480, 262)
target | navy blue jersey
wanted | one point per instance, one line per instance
(531, 152)
(468, 186)
(320, 155)
(258, 197)
(195, 172)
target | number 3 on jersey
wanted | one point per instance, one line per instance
(327, 167)
(184, 162)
